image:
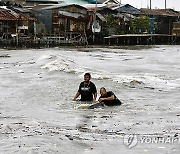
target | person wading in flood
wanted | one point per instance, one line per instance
(108, 98)
(87, 89)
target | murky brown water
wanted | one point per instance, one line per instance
(38, 116)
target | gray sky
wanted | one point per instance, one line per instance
(174, 4)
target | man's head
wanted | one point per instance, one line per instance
(103, 91)
(87, 77)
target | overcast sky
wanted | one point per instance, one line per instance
(174, 4)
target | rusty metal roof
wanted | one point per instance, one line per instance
(160, 12)
(73, 15)
(55, 6)
(9, 15)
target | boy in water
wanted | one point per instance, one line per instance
(108, 98)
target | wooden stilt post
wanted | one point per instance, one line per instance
(34, 32)
(85, 36)
(17, 33)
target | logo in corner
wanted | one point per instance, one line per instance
(130, 140)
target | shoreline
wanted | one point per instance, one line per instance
(125, 47)
(110, 41)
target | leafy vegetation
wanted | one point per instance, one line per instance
(111, 21)
(140, 25)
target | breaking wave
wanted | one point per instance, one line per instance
(143, 80)
(62, 63)
(146, 80)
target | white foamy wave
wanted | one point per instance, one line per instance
(149, 80)
(47, 57)
(62, 65)
(67, 65)
(97, 75)
(138, 80)
(101, 76)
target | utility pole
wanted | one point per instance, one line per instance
(165, 5)
(150, 4)
(94, 21)
(119, 12)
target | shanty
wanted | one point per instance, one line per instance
(53, 22)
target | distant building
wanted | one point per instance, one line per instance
(37, 2)
(163, 17)
(13, 1)
(78, 2)
(126, 8)
(176, 28)
(14, 23)
(61, 18)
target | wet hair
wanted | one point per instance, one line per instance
(102, 88)
(87, 74)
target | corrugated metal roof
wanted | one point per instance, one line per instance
(49, 6)
(79, 2)
(92, 7)
(73, 15)
(126, 8)
(44, 1)
(54, 6)
(160, 12)
(9, 15)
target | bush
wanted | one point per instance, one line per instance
(140, 25)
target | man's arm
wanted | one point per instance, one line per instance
(78, 93)
(76, 96)
(107, 99)
(94, 92)
(95, 96)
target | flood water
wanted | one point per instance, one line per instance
(37, 114)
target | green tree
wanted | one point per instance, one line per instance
(112, 21)
(139, 25)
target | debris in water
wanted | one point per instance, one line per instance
(69, 137)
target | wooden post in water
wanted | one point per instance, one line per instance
(86, 41)
(17, 33)
(34, 32)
